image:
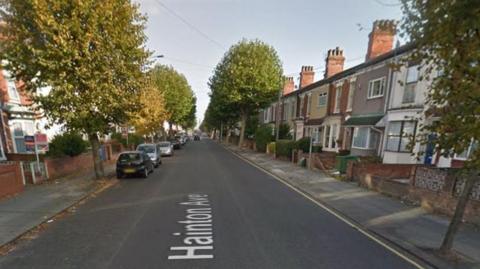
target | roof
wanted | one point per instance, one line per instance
(363, 120)
(352, 70)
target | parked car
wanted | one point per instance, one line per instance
(134, 163)
(182, 139)
(153, 151)
(176, 143)
(166, 148)
(196, 138)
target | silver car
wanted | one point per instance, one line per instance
(153, 151)
(166, 148)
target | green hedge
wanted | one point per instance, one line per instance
(284, 148)
(67, 144)
(263, 136)
(303, 144)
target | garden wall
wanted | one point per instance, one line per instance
(11, 181)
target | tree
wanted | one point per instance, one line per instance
(148, 120)
(178, 95)
(447, 38)
(248, 77)
(89, 53)
(190, 120)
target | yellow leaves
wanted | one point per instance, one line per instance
(149, 118)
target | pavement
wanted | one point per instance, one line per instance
(39, 203)
(410, 227)
(203, 208)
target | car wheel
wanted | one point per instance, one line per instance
(145, 173)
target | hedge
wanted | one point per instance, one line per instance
(263, 136)
(284, 148)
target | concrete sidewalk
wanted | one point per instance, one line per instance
(39, 203)
(411, 228)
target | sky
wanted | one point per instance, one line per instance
(193, 35)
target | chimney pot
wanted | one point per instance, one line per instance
(306, 76)
(381, 38)
(334, 62)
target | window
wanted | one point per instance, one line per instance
(466, 153)
(309, 97)
(327, 136)
(19, 130)
(376, 88)
(12, 89)
(360, 137)
(265, 116)
(350, 96)
(322, 99)
(410, 85)
(338, 97)
(399, 135)
(333, 143)
(365, 138)
(293, 110)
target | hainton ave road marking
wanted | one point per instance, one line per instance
(198, 232)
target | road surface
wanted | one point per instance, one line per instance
(203, 208)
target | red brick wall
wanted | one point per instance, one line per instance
(10, 179)
(65, 166)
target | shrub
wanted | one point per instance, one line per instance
(303, 144)
(284, 148)
(263, 136)
(70, 144)
(284, 131)
(271, 147)
(317, 149)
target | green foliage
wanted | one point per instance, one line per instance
(69, 144)
(271, 147)
(89, 53)
(447, 39)
(303, 144)
(284, 131)
(179, 97)
(252, 125)
(284, 148)
(247, 79)
(263, 136)
(133, 139)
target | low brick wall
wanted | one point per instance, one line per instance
(320, 160)
(65, 166)
(10, 179)
(390, 179)
(437, 189)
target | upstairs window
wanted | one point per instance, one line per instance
(338, 97)
(410, 85)
(350, 96)
(376, 88)
(322, 99)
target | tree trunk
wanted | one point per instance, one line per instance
(243, 122)
(97, 163)
(170, 130)
(228, 135)
(456, 220)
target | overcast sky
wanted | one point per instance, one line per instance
(300, 30)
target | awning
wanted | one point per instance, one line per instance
(363, 120)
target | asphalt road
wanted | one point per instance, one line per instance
(256, 222)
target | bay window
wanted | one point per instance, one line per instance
(365, 138)
(400, 135)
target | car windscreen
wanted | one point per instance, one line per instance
(164, 145)
(146, 148)
(129, 157)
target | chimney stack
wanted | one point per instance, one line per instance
(288, 85)
(334, 62)
(307, 76)
(381, 38)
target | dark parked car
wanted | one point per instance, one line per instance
(134, 163)
(196, 138)
(176, 143)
